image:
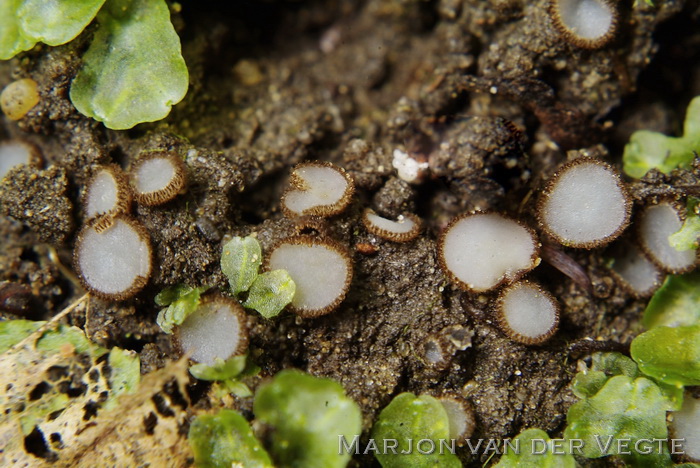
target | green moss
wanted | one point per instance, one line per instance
(409, 419)
(307, 415)
(669, 354)
(224, 440)
(536, 450)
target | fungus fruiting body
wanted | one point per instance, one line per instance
(589, 24)
(14, 153)
(321, 270)
(18, 98)
(317, 188)
(484, 250)
(405, 229)
(585, 204)
(107, 192)
(113, 259)
(157, 177)
(216, 330)
(461, 418)
(527, 313)
(636, 273)
(686, 426)
(656, 224)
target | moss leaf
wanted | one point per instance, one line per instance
(669, 354)
(308, 415)
(133, 71)
(12, 39)
(56, 22)
(675, 303)
(536, 450)
(271, 292)
(409, 417)
(624, 408)
(240, 261)
(222, 370)
(181, 300)
(224, 440)
(652, 150)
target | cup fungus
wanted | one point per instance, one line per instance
(589, 24)
(18, 98)
(113, 258)
(635, 272)
(686, 425)
(216, 330)
(157, 177)
(482, 251)
(656, 223)
(461, 418)
(16, 152)
(585, 204)
(527, 313)
(107, 193)
(320, 268)
(405, 229)
(317, 188)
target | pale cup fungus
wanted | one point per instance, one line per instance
(686, 425)
(113, 259)
(584, 205)
(320, 268)
(108, 192)
(482, 251)
(16, 152)
(460, 415)
(216, 330)
(405, 229)
(635, 272)
(318, 189)
(18, 98)
(527, 313)
(157, 177)
(589, 24)
(656, 224)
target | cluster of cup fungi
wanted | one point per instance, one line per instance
(112, 254)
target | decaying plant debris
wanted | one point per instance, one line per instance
(487, 93)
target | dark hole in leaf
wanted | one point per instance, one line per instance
(162, 406)
(90, 410)
(173, 391)
(55, 414)
(150, 422)
(35, 444)
(55, 373)
(56, 440)
(94, 375)
(40, 390)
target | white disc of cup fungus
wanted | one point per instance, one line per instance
(157, 177)
(527, 313)
(406, 228)
(317, 188)
(686, 425)
(483, 250)
(215, 330)
(460, 417)
(113, 261)
(15, 153)
(588, 19)
(584, 205)
(656, 224)
(637, 272)
(321, 271)
(107, 192)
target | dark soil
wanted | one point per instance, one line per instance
(486, 91)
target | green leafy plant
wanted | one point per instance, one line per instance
(181, 300)
(224, 440)
(652, 150)
(536, 450)
(133, 71)
(669, 354)
(675, 303)
(307, 415)
(412, 418)
(687, 237)
(620, 407)
(268, 293)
